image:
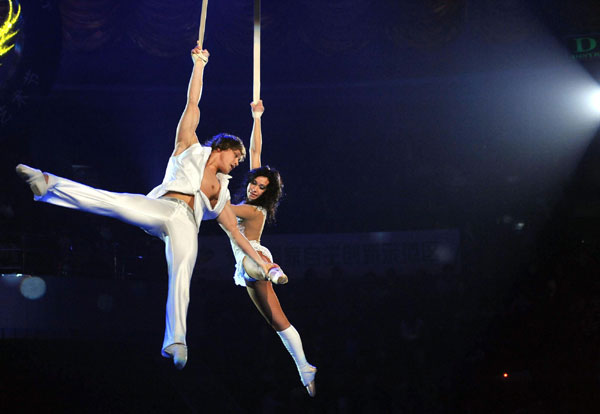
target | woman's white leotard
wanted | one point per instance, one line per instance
(240, 276)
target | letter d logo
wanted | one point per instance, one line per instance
(582, 42)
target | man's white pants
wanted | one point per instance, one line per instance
(173, 222)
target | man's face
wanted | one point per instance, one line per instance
(229, 159)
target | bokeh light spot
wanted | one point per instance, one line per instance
(33, 287)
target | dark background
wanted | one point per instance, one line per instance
(381, 116)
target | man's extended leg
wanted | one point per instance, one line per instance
(136, 209)
(166, 219)
(181, 247)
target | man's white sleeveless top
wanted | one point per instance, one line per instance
(184, 175)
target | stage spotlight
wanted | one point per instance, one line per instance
(595, 100)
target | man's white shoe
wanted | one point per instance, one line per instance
(34, 177)
(179, 354)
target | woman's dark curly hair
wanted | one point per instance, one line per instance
(269, 200)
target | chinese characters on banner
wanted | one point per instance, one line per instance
(432, 251)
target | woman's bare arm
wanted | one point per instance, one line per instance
(256, 137)
(245, 211)
(228, 223)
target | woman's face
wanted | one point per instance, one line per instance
(256, 187)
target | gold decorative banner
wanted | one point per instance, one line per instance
(8, 29)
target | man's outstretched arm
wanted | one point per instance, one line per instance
(186, 129)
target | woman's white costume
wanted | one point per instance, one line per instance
(240, 276)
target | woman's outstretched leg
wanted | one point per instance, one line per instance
(262, 294)
(266, 301)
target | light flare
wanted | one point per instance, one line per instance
(594, 100)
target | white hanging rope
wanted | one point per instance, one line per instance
(256, 81)
(202, 23)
